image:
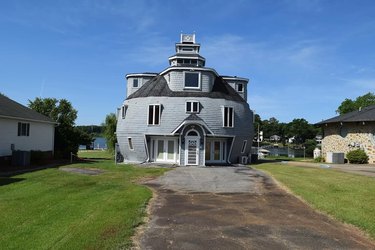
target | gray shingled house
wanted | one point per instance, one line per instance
(350, 131)
(186, 115)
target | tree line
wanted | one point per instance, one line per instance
(68, 137)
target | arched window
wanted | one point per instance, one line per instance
(192, 133)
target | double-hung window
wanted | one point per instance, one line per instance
(23, 129)
(154, 111)
(192, 80)
(192, 107)
(228, 117)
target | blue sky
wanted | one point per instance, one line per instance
(303, 58)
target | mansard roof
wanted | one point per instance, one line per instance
(366, 114)
(158, 86)
(14, 110)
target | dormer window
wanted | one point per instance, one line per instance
(240, 87)
(192, 80)
(135, 83)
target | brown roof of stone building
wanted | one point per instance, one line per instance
(366, 114)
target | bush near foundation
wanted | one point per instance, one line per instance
(357, 156)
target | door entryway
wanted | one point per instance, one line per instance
(192, 140)
(164, 149)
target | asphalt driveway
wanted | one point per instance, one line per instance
(236, 208)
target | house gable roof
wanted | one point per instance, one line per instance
(366, 114)
(14, 110)
(158, 86)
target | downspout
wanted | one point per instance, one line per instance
(146, 147)
(230, 150)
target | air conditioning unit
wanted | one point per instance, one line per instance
(244, 160)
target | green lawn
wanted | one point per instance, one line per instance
(349, 198)
(286, 158)
(95, 154)
(53, 209)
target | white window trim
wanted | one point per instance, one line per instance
(223, 111)
(191, 107)
(244, 146)
(130, 144)
(199, 79)
(153, 118)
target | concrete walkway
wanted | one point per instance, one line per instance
(236, 208)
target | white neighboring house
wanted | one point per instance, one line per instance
(24, 129)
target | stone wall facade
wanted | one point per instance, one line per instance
(342, 138)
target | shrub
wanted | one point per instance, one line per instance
(357, 156)
(319, 159)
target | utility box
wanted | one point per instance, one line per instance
(336, 158)
(21, 158)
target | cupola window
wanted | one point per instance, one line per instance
(135, 83)
(240, 87)
(192, 80)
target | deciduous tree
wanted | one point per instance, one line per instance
(349, 105)
(109, 131)
(67, 137)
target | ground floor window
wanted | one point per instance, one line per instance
(216, 150)
(23, 129)
(164, 149)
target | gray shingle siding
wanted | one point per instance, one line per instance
(173, 113)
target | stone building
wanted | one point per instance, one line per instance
(187, 114)
(350, 131)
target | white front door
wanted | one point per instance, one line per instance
(192, 151)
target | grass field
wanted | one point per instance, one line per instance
(347, 197)
(53, 209)
(286, 158)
